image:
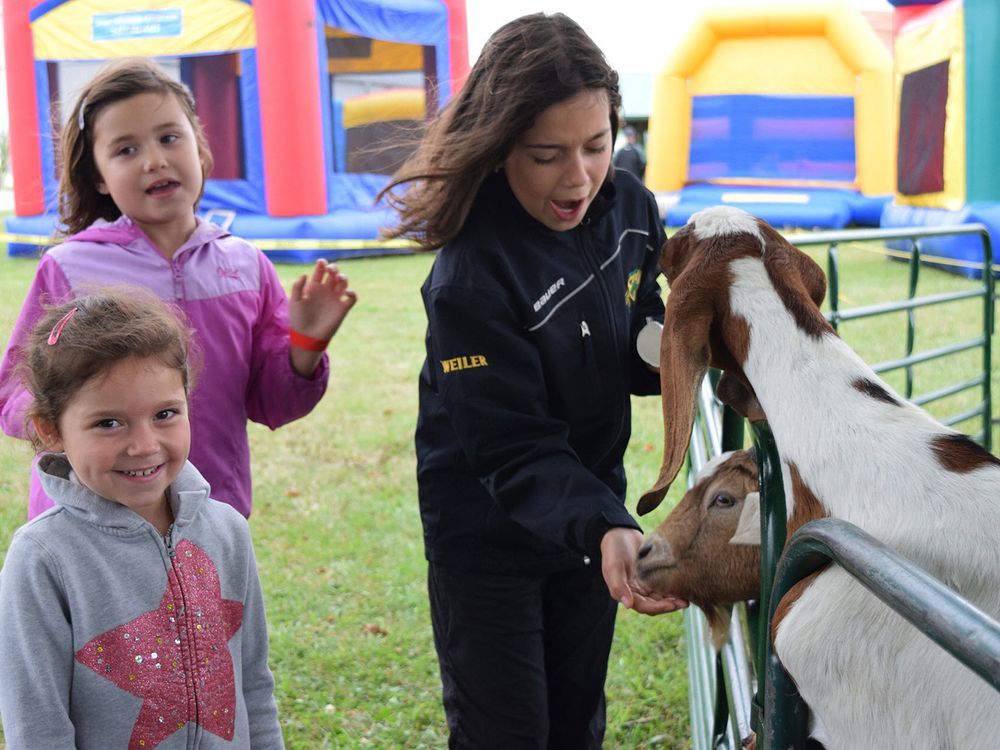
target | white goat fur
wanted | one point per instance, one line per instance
(870, 678)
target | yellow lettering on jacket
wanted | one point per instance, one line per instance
(463, 363)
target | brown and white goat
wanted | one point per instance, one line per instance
(690, 554)
(745, 301)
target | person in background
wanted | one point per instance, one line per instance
(629, 156)
(546, 275)
(131, 613)
(134, 162)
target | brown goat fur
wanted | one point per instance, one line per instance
(689, 554)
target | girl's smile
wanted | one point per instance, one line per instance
(126, 435)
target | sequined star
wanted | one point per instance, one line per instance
(175, 657)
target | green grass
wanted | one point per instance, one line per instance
(338, 537)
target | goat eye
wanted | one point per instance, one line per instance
(723, 501)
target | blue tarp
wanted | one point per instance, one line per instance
(965, 247)
(813, 208)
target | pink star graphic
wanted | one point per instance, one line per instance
(175, 657)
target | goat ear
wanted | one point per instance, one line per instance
(748, 528)
(676, 252)
(734, 392)
(684, 356)
(790, 267)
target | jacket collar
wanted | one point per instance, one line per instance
(187, 493)
(124, 231)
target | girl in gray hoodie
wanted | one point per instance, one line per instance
(131, 614)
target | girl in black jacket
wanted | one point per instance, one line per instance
(546, 274)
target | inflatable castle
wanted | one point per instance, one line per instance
(783, 109)
(305, 102)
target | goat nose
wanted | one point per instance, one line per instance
(645, 550)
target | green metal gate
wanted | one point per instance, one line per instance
(728, 697)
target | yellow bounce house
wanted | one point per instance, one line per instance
(948, 155)
(786, 110)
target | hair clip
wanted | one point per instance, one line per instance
(58, 327)
(80, 121)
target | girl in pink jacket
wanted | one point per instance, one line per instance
(134, 161)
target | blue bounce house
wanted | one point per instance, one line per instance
(293, 95)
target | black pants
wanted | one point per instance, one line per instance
(523, 658)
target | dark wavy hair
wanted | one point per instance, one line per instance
(79, 202)
(526, 66)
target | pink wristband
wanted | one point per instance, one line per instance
(306, 342)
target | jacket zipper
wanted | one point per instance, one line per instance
(583, 233)
(180, 619)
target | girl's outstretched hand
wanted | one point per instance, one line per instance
(619, 554)
(317, 306)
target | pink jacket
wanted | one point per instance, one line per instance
(238, 309)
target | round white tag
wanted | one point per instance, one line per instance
(648, 343)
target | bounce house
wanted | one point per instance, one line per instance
(785, 110)
(948, 162)
(305, 103)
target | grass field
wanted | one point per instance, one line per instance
(337, 530)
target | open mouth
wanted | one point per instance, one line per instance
(567, 210)
(163, 186)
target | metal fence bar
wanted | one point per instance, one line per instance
(737, 677)
(868, 311)
(716, 429)
(914, 235)
(960, 628)
(864, 235)
(962, 346)
(701, 686)
(951, 390)
(962, 416)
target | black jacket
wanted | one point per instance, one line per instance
(524, 395)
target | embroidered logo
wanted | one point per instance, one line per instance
(632, 286)
(225, 272)
(463, 363)
(543, 300)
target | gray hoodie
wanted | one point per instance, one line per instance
(113, 636)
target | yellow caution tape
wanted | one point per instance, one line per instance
(286, 244)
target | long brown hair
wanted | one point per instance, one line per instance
(79, 202)
(525, 67)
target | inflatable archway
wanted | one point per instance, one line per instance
(776, 96)
(271, 79)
